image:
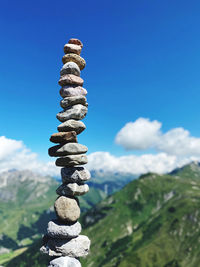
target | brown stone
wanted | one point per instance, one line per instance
(64, 137)
(69, 79)
(76, 41)
(74, 58)
(67, 209)
(72, 48)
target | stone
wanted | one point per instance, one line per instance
(56, 229)
(72, 48)
(72, 189)
(72, 125)
(64, 137)
(75, 247)
(74, 58)
(72, 160)
(65, 262)
(70, 68)
(67, 209)
(73, 100)
(67, 149)
(67, 91)
(75, 174)
(76, 112)
(69, 79)
(76, 41)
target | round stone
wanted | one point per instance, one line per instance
(75, 174)
(73, 100)
(74, 58)
(64, 137)
(56, 229)
(70, 68)
(67, 149)
(68, 91)
(76, 41)
(72, 125)
(76, 112)
(72, 160)
(67, 209)
(65, 262)
(72, 48)
(72, 189)
(70, 79)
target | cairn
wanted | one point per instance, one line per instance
(63, 241)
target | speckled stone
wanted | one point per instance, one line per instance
(76, 112)
(70, 79)
(68, 91)
(67, 149)
(70, 68)
(57, 229)
(76, 41)
(64, 137)
(72, 189)
(72, 125)
(73, 100)
(72, 160)
(74, 58)
(72, 48)
(65, 262)
(75, 174)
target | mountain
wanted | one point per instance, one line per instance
(153, 221)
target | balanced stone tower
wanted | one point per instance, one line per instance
(63, 241)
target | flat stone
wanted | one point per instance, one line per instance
(65, 262)
(76, 112)
(76, 41)
(72, 48)
(73, 100)
(74, 58)
(56, 229)
(75, 247)
(64, 137)
(72, 125)
(67, 91)
(72, 160)
(72, 189)
(75, 174)
(70, 68)
(67, 149)
(69, 79)
(67, 209)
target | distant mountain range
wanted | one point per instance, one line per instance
(154, 221)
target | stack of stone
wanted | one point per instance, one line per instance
(63, 240)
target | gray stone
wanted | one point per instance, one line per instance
(76, 112)
(72, 160)
(69, 90)
(58, 230)
(67, 209)
(75, 247)
(65, 262)
(70, 68)
(67, 149)
(72, 189)
(75, 174)
(72, 125)
(73, 100)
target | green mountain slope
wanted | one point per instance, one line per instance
(152, 222)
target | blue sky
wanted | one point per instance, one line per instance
(143, 60)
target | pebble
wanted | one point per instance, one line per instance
(67, 91)
(72, 48)
(74, 58)
(75, 174)
(72, 189)
(67, 209)
(76, 41)
(67, 149)
(72, 125)
(70, 68)
(71, 160)
(56, 229)
(73, 100)
(65, 262)
(64, 137)
(69, 79)
(76, 112)
(75, 247)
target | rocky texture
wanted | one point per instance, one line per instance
(72, 48)
(59, 230)
(68, 91)
(64, 137)
(75, 174)
(70, 68)
(76, 41)
(71, 160)
(76, 112)
(67, 149)
(74, 58)
(72, 189)
(73, 100)
(76, 247)
(67, 209)
(69, 79)
(64, 262)
(72, 125)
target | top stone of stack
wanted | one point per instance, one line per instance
(74, 46)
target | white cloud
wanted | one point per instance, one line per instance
(145, 134)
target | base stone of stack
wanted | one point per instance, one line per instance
(65, 262)
(75, 174)
(56, 229)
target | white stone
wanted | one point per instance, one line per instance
(65, 262)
